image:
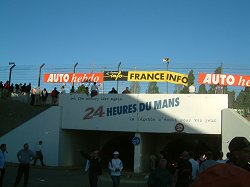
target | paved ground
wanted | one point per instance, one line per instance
(67, 177)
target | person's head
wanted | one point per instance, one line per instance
(209, 155)
(95, 153)
(191, 154)
(162, 163)
(240, 152)
(115, 154)
(40, 142)
(184, 155)
(220, 155)
(3, 147)
(26, 146)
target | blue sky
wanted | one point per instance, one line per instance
(139, 33)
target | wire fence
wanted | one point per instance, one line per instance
(30, 74)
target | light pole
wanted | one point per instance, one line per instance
(166, 60)
(118, 69)
(75, 70)
(103, 69)
(39, 76)
(13, 65)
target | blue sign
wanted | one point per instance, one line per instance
(136, 140)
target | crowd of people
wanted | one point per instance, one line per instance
(7, 89)
(206, 170)
(39, 97)
(24, 157)
(187, 172)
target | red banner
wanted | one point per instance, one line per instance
(224, 79)
(72, 77)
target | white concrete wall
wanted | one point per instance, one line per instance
(233, 124)
(45, 127)
(72, 142)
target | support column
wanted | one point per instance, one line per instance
(137, 154)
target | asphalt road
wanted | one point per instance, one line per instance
(55, 177)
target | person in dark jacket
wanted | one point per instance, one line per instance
(95, 166)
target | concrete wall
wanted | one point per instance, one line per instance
(45, 127)
(74, 141)
(233, 124)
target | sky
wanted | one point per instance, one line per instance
(98, 34)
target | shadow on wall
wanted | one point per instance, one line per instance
(122, 144)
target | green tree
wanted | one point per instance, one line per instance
(191, 79)
(135, 87)
(202, 89)
(152, 88)
(81, 89)
(231, 99)
(178, 88)
(212, 87)
(243, 100)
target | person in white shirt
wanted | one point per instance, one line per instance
(63, 91)
(191, 89)
(39, 154)
(2, 162)
(115, 167)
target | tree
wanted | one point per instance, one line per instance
(135, 87)
(212, 88)
(191, 79)
(153, 88)
(202, 89)
(81, 89)
(243, 100)
(178, 88)
(231, 99)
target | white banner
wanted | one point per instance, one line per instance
(159, 113)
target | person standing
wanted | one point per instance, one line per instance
(2, 162)
(184, 171)
(94, 90)
(54, 95)
(24, 157)
(39, 154)
(160, 177)
(113, 91)
(33, 96)
(95, 166)
(63, 91)
(115, 167)
(126, 91)
(44, 96)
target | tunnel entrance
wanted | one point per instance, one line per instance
(172, 145)
(198, 144)
(122, 144)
